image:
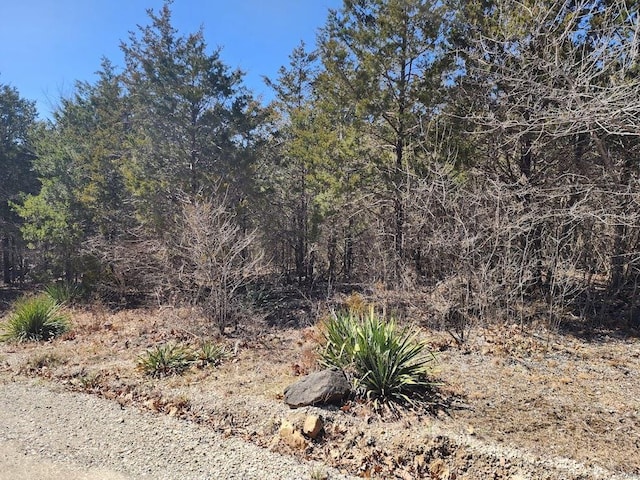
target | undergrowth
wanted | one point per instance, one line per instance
(175, 358)
(34, 319)
(387, 362)
(65, 292)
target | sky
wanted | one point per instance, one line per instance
(48, 45)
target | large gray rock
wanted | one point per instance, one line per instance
(326, 386)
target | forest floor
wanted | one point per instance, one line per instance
(513, 403)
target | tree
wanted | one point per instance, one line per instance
(560, 88)
(191, 119)
(79, 161)
(386, 57)
(571, 76)
(294, 181)
(17, 118)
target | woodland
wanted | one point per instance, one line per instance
(483, 152)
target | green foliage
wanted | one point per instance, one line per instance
(388, 362)
(34, 319)
(65, 292)
(192, 119)
(165, 360)
(175, 359)
(341, 335)
(210, 353)
(78, 161)
(17, 118)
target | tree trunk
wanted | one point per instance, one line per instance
(348, 252)
(6, 261)
(332, 249)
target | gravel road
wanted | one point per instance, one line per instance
(57, 435)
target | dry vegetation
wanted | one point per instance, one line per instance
(514, 402)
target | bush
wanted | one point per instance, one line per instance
(165, 360)
(174, 359)
(65, 292)
(210, 354)
(34, 319)
(387, 362)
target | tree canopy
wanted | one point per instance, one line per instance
(490, 145)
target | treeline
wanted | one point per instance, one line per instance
(483, 151)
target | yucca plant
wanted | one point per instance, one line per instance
(340, 335)
(388, 363)
(34, 319)
(64, 292)
(165, 360)
(210, 353)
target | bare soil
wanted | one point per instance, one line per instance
(512, 403)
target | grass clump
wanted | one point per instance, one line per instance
(175, 359)
(387, 362)
(65, 292)
(35, 319)
(165, 360)
(210, 353)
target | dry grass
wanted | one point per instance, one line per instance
(550, 396)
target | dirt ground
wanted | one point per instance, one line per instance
(16, 465)
(513, 403)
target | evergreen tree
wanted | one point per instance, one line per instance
(293, 181)
(79, 163)
(191, 119)
(386, 58)
(17, 118)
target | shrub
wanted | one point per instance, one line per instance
(34, 319)
(340, 335)
(64, 292)
(387, 362)
(210, 353)
(165, 360)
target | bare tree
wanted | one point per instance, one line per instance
(215, 259)
(559, 69)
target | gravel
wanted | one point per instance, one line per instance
(57, 435)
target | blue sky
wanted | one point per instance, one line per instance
(46, 45)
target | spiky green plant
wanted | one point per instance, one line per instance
(388, 363)
(165, 360)
(210, 353)
(35, 318)
(64, 292)
(340, 335)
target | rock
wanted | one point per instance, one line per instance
(297, 441)
(286, 428)
(438, 469)
(312, 426)
(326, 386)
(291, 436)
(151, 404)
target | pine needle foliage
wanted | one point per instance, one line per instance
(387, 362)
(35, 318)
